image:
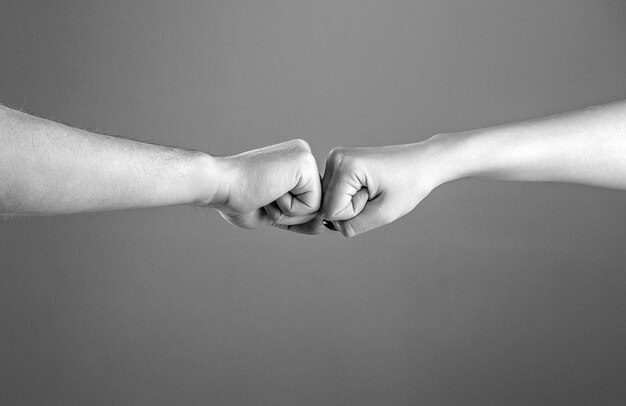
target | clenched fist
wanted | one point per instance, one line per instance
(277, 185)
(365, 188)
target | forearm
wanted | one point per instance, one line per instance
(586, 147)
(50, 168)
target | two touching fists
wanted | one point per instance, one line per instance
(361, 189)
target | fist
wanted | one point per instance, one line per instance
(365, 188)
(277, 186)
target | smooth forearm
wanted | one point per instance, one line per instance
(586, 147)
(50, 168)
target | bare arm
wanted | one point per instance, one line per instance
(585, 146)
(366, 188)
(49, 168)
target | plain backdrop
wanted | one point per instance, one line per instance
(487, 293)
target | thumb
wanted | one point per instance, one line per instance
(373, 216)
(353, 207)
(345, 194)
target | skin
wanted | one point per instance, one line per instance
(366, 188)
(47, 168)
(277, 185)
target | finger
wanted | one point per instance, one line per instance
(328, 173)
(250, 220)
(373, 216)
(340, 190)
(278, 217)
(293, 205)
(305, 198)
(356, 205)
(312, 227)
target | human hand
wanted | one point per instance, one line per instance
(365, 188)
(277, 185)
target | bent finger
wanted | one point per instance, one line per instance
(278, 217)
(338, 195)
(312, 227)
(373, 216)
(356, 206)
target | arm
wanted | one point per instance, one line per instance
(48, 168)
(368, 187)
(586, 147)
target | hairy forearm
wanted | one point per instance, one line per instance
(586, 147)
(51, 168)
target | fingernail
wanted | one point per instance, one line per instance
(329, 225)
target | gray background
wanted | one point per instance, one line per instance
(488, 293)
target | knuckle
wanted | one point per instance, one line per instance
(301, 144)
(336, 154)
(348, 164)
(308, 158)
(343, 160)
(307, 170)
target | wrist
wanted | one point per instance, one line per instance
(208, 185)
(458, 155)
